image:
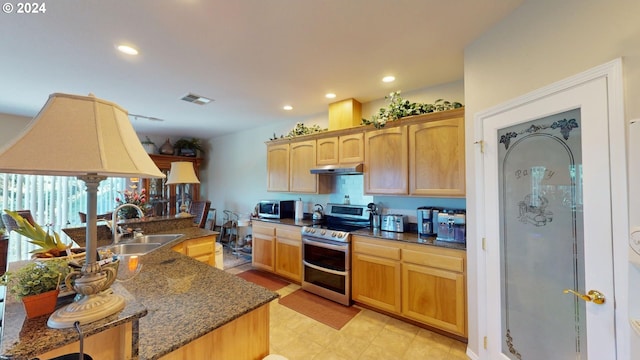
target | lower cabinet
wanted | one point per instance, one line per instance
(375, 279)
(289, 252)
(202, 249)
(278, 248)
(418, 282)
(263, 240)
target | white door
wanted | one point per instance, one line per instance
(548, 224)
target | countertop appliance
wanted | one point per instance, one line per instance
(394, 222)
(276, 209)
(452, 226)
(326, 252)
(427, 221)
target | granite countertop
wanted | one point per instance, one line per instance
(173, 292)
(408, 237)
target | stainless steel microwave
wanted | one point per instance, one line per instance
(276, 209)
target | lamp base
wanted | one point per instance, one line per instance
(88, 309)
(183, 214)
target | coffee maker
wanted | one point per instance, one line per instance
(451, 226)
(427, 221)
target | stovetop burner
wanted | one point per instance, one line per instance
(339, 221)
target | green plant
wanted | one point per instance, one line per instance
(35, 278)
(48, 245)
(300, 129)
(190, 144)
(399, 108)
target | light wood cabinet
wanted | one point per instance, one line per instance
(436, 158)
(202, 249)
(343, 149)
(263, 245)
(113, 343)
(376, 274)
(289, 252)
(386, 161)
(433, 288)
(278, 167)
(302, 157)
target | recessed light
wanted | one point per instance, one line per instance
(330, 95)
(127, 50)
(288, 107)
(388, 78)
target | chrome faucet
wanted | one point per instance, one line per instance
(114, 218)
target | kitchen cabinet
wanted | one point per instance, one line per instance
(278, 167)
(202, 249)
(263, 245)
(118, 339)
(301, 160)
(163, 197)
(433, 287)
(376, 274)
(386, 161)
(343, 149)
(436, 158)
(288, 250)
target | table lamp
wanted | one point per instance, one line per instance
(182, 172)
(92, 139)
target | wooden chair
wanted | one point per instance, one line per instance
(200, 209)
(11, 224)
(83, 216)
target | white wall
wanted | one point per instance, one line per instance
(541, 42)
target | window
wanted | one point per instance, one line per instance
(53, 200)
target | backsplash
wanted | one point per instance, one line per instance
(351, 185)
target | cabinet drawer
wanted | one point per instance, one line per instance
(387, 252)
(289, 232)
(196, 250)
(441, 261)
(262, 228)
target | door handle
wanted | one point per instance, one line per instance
(594, 296)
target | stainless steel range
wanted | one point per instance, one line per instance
(326, 252)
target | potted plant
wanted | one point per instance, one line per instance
(188, 147)
(37, 285)
(48, 245)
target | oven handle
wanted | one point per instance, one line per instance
(341, 247)
(334, 272)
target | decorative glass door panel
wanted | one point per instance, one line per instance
(541, 247)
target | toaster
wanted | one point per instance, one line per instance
(394, 222)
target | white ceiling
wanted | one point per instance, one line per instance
(251, 56)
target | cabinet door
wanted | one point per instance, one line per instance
(278, 167)
(201, 249)
(289, 252)
(327, 151)
(302, 160)
(436, 158)
(386, 161)
(376, 282)
(263, 249)
(351, 148)
(434, 297)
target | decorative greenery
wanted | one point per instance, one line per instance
(147, 141)
(300, 129)
(48, 245)
(35, 278)
(189, 144)
(399, 108)
(131, 197)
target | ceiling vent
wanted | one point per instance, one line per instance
(196, 99)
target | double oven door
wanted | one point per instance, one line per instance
(327, 268)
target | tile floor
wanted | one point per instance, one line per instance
(369, 335)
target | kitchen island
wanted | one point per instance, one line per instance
(181, 308)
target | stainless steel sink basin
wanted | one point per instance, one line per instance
(131, 249)
(154, 239)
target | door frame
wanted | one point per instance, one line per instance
(612, 72)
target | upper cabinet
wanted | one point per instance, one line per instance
(278, 167)
(301, 159)
(436, 158)
(343, 149)
(386, 161)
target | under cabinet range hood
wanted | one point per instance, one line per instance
(350, 169)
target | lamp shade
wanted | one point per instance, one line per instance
(182, 172)
(78, 135)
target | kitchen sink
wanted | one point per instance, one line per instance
(153, 239)
(131, 249)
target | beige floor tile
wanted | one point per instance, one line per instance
(402, 327)
(348, 346)
(381, 352)
(394, 342)
(330, 354)
(420, 351)
(300, 349)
